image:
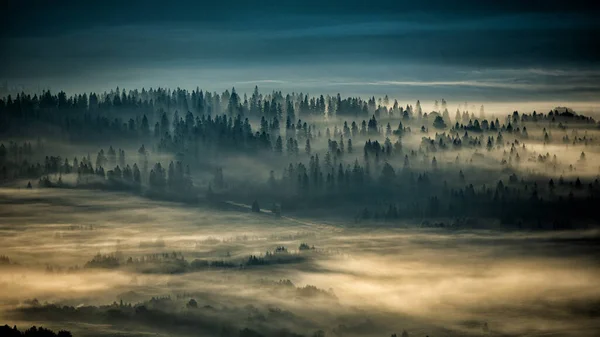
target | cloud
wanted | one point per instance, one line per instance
(260, 81)
(83, 46)
(473, 83)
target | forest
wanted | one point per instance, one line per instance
(199, 213)
(305, 153)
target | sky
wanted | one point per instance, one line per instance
(483, 51)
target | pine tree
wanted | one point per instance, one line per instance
(279, 145)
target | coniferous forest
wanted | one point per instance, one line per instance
(284, 185)
(365, 161)
(383, 168)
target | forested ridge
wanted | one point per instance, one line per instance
(384, 160)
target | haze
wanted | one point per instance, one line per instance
(237, 169)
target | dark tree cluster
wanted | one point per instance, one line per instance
(175, 263)
(7, 331)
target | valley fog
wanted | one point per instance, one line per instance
(267, 214)
(303, 168)
(368, 282)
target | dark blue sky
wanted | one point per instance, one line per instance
(468, 50)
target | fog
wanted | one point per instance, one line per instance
(425, 281)
(299, 168)
(178, 213)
